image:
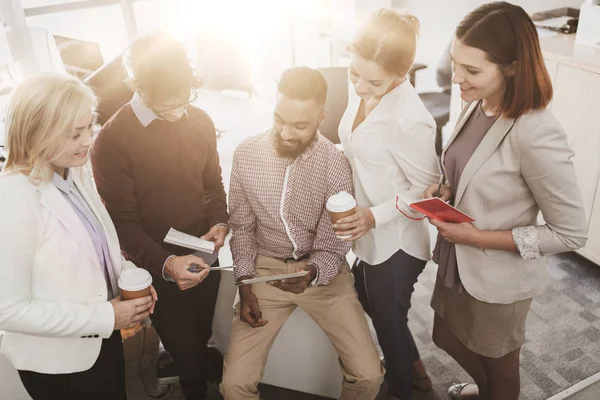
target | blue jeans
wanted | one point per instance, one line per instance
(384, 291)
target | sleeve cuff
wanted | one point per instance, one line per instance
(243, 269)
(106, 320)
(225, 225)
(166, 276)
(527, 241)
(324, 274)
(385, 213)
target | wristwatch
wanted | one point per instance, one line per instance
(313, 283)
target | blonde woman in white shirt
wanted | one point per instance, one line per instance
(388, 136)
(59, 301)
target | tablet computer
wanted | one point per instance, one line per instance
(272, 278)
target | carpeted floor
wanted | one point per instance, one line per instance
(563, 337)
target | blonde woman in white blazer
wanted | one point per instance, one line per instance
(388, 135)
(59, 303)
(507, 160)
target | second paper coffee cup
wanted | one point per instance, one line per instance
(134, 283)
(341, 205)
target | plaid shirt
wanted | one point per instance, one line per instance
(277, 205)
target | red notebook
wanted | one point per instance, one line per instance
(438, 209)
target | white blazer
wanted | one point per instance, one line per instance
(53, 294)
(392, 154)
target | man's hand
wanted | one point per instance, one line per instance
(249, 310)
(297, 285)
(217, 235)
(177, 268)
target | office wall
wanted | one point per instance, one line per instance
(439, 19)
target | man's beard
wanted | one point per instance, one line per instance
(287, 151)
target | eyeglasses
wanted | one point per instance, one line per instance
(159, 111)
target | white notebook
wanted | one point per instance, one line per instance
(191, 242)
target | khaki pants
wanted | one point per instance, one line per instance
(335, 308)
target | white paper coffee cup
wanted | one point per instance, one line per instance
(134, 283)
(341, 205)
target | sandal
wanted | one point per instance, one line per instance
(455, 390)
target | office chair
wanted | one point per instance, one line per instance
(337, 101)
(438, 103)
(108, 83)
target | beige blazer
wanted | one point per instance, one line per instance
(522, 166)
(53, 295)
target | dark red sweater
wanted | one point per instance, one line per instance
(154, 178)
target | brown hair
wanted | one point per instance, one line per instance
(508, 36)
(303, 83)
(162, 68)
(390, 39)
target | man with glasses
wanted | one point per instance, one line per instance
(156, 166)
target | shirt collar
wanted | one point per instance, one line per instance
(143, 113)
(397, 91)
(307, 153)
(64, 185)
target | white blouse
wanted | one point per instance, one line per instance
(392, 154)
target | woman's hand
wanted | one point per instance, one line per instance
(356, 225)
(130, 312)
(459, 233)
(445, 192)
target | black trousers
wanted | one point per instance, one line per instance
(105, 380)
(183, 321)
(384, 291)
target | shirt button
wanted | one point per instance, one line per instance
(96, 336)
(90, 336)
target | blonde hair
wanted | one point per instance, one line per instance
(389, 38)
(41, 115)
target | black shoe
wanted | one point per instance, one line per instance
(166, 371)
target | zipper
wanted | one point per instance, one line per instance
(281, 203)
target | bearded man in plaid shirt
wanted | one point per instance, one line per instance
(280, 182)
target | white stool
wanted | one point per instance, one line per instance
(302, 358)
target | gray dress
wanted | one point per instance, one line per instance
(491, 330)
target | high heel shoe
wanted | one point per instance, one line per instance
(455, 390)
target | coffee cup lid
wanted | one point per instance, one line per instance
(133, 279)
(340, 202)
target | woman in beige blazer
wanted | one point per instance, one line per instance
(507, 160)
(59, 299)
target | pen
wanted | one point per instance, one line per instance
(437, 192)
